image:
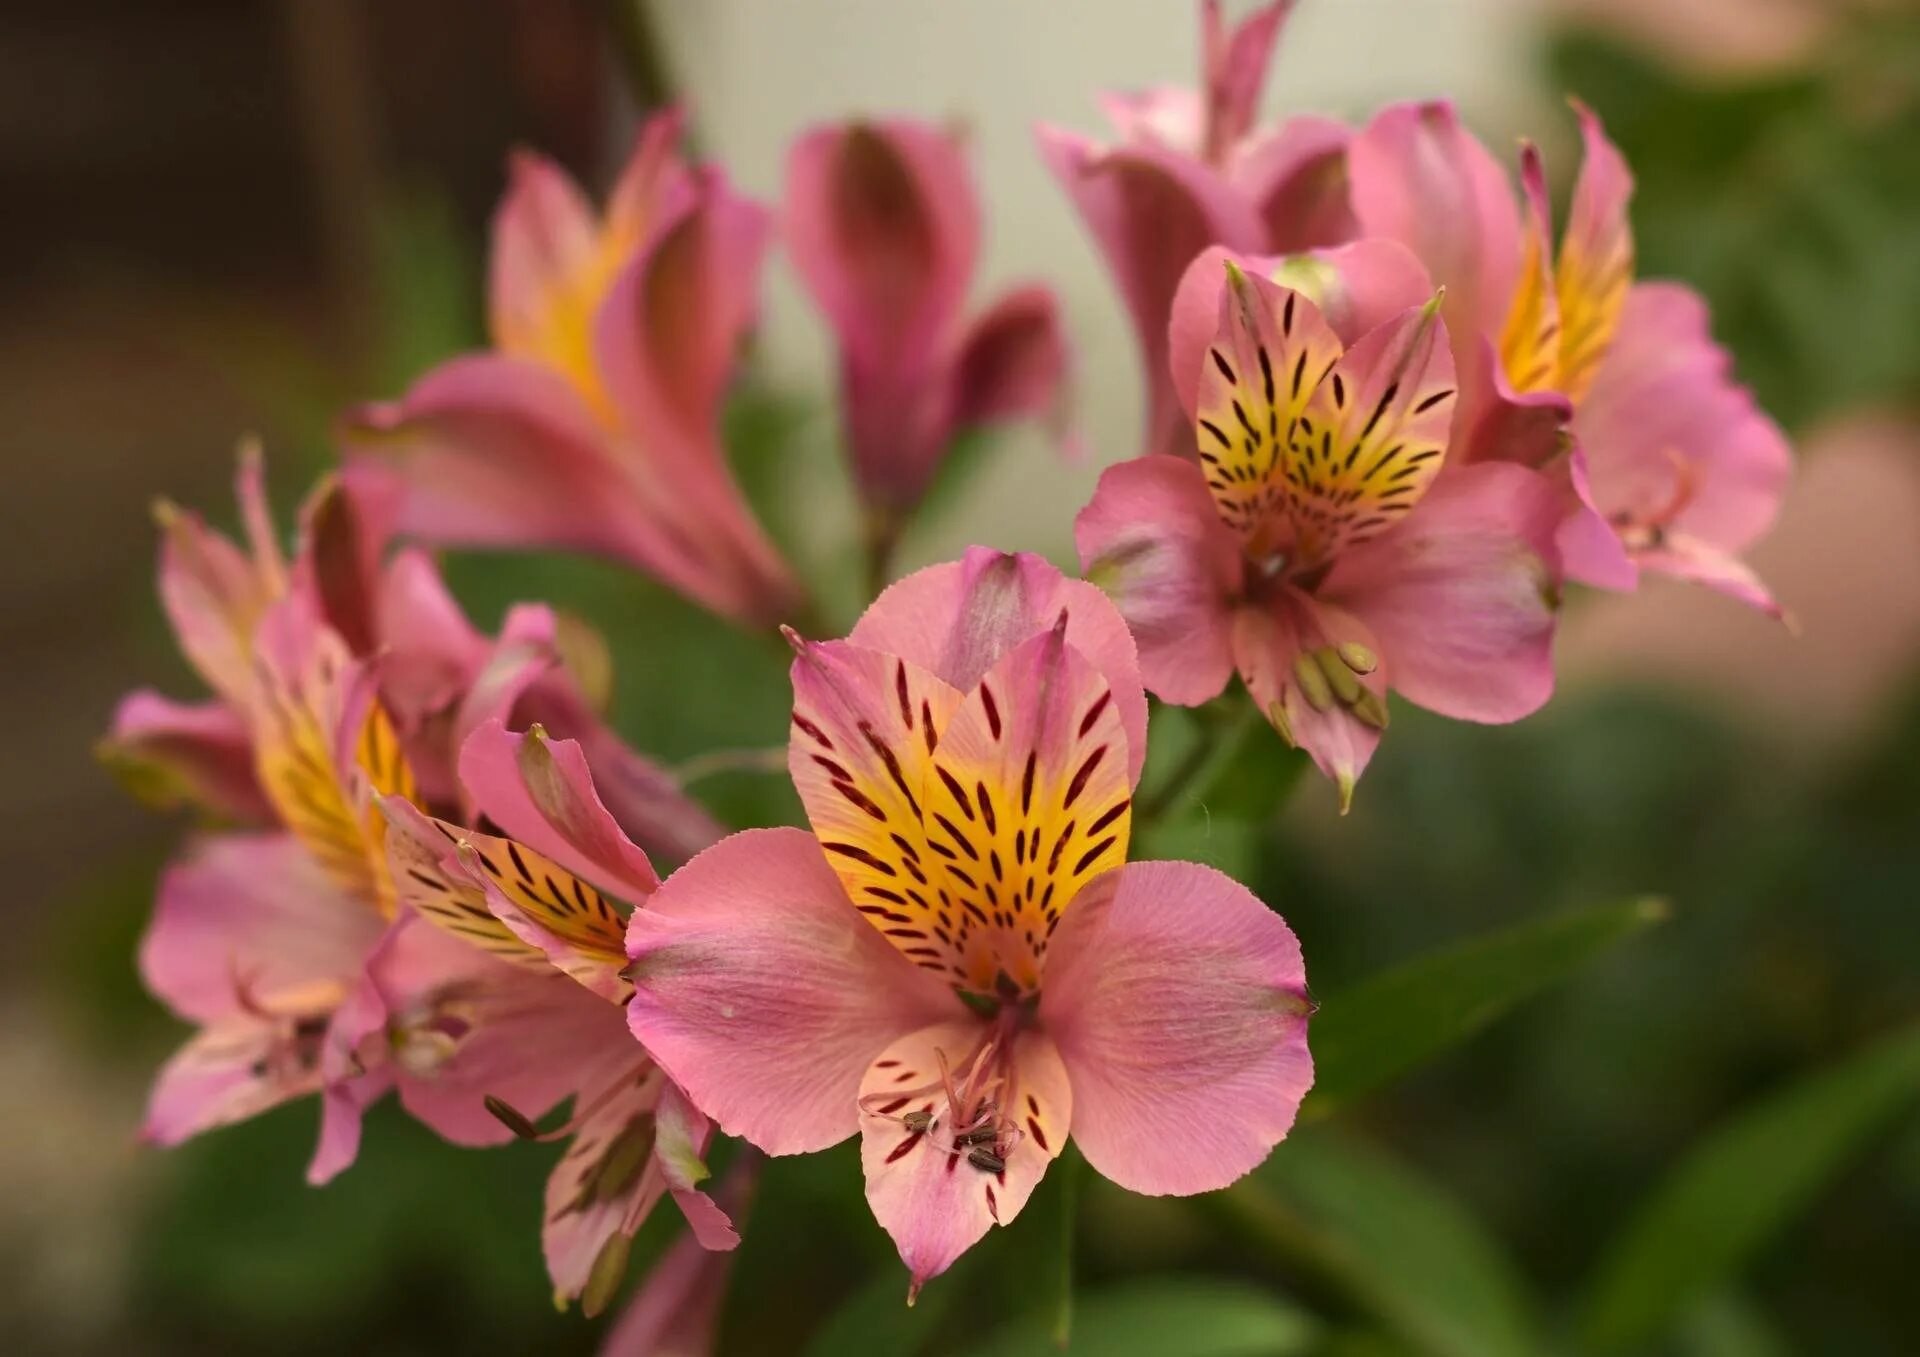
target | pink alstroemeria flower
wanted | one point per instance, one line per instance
(1190, 172)
(259, 938)
(1321, 544)
(1671, 466)
(971, 841)
(592, 424)
(439, 679)
(884, 227)
(506, 995)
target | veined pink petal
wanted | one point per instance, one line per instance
(1460, 596)
(1286, 647)
(540, 791)
(1150, 537)
(247, 923)
(1151, 211)
(765, 996)
(1421, 178)
(1179, 1005)
(1296, 177)
(169, 752)
(354, 1075)
(936, 1198)
(1357, 288)
(960, 618)
(883, 225)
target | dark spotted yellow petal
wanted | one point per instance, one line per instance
(1373, 436)
(1271, 349)
(864, 727)
(1029, 799)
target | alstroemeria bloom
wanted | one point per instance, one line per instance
(513, 996)
(592, 424)
(884, 228)
(259, 938)
(958, 963)
(1673, 468)
(1321, 544)
(1189, 172)
(438, 678)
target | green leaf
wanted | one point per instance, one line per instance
(1195, 1317)
(1393, 1021)
(1739, 1188)
(1394, 1243)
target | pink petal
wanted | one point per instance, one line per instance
(1420, 178)
(1236, 69)
(960, 618)
(529, 1038)
(251, 921)
(342, 541)
(1590, 550)
(1151, 538)
(213, 593)
(1012, 363)
(1494, 423)
(1357, 288)
(1664, 407)
(1461, 594)
(170, 752)
(1151, 211)
(583, 1209)
(1179, 1005)
(764, 995)
(540, 791)
(883, 226)
(1596, 255)
(226, 1073)
(1297, 178)
(545, 234)
(1688, 558)
(1278, 643)
(666, 340)
(930, 1197)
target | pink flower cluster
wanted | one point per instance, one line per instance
(1388, 422)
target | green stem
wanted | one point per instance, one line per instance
(1215, 744)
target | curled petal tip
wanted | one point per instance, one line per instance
(1346, 783)
(794, 639)
(1432, 308)
(165, 513)
(538, 732)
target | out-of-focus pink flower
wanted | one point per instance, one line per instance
(1190, 171)
(438, 678)
(971, 841)
(510, 1003)
(259, 938)
(592, 423)
(884, 228)
(1670, 467)
(1321, 544)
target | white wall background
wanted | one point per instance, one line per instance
(753, 72)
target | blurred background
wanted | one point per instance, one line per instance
(240, 215)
